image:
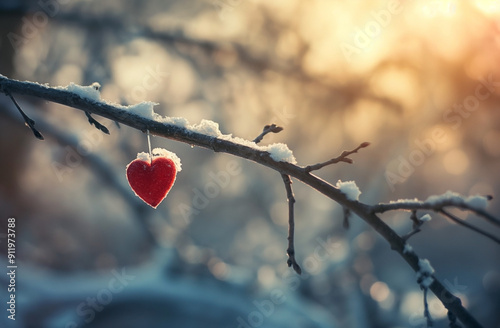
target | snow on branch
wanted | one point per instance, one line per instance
(475, 204)
(268, 129)
(277, 157)
(425, 279)
(349, 189)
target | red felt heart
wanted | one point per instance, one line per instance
(151, 182)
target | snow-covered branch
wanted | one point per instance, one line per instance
(275, 156)
(439, 204)
(476, 204)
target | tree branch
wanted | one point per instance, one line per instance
(436, 206)
(28, 121)
(470, 226)
(292, 262)
(174, 132)
(416, 226)
(427, 313)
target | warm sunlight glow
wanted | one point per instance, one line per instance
(488, 6)
(456, 162)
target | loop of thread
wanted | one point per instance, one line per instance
(149, 146)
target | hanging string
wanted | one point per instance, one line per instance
(149, 146)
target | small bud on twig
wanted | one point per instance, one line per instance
(28, 121)
(98, 125)
(268, 129)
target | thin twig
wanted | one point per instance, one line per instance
(291, 201)
(98, 125)
(29, 122)
(427, 313)
(342, 158)
(470, 226)
(347, 215)
(291, 224)
(268, 129)
(415, 226)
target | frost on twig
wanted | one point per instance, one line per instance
(344, 157)
(28, 121)
(349, 189)
(407, 249)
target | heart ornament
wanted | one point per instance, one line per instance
(152, 176)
